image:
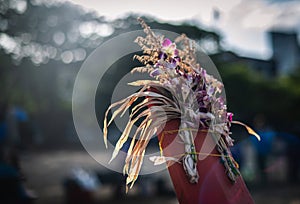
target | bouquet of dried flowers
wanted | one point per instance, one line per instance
(180, 89)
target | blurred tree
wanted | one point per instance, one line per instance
(42, 46)
(250, 95)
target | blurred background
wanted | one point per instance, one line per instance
(43, 43)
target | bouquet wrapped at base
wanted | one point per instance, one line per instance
(196, 138)
(213, 186)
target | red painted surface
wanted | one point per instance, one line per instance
(213, 187)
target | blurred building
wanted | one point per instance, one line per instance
(286, 51)
(285, 58)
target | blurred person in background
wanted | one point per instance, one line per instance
(12, 179)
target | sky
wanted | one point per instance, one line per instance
(242, 23)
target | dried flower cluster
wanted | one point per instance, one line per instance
(181, 89)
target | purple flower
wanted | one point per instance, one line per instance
(177, 58)
(189, 77)
(176, 53)
(167, 42)
(229, 116)
(169, 48)
(203, 72)
(170, 65)
(162, 56)
(202, 93)
(155, 72)
(210, 90)
(168, 56)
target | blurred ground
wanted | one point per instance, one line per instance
(45, 172)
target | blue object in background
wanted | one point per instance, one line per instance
(20, 114)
